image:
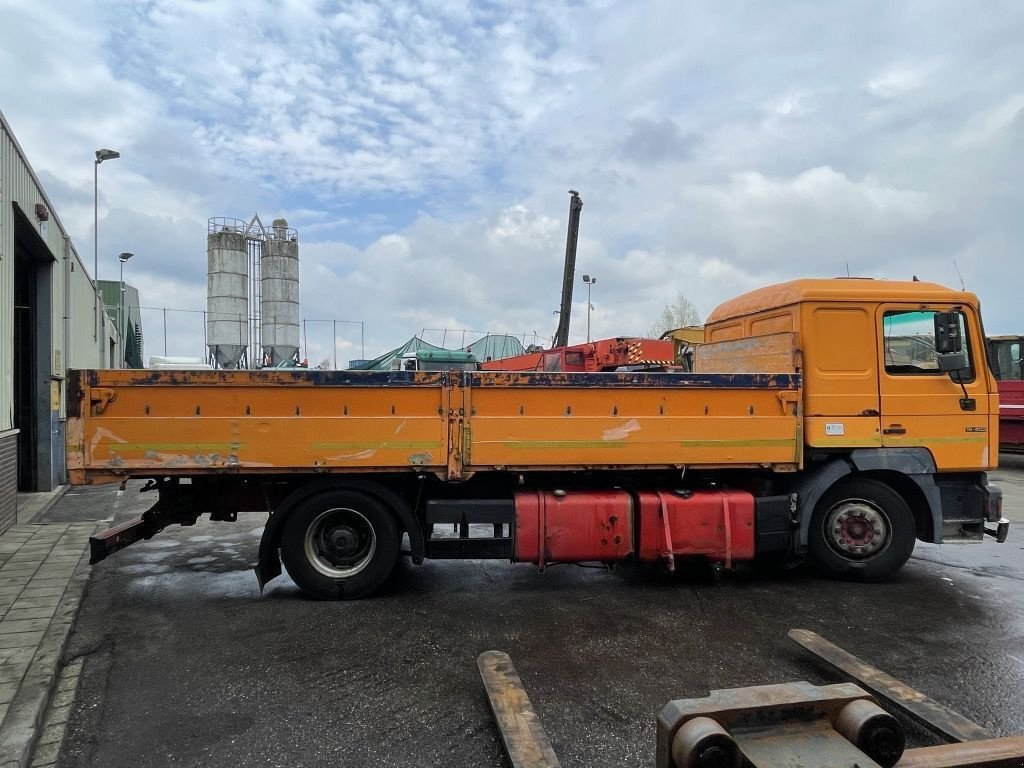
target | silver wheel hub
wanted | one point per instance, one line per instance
(340, 542)
(857, 529)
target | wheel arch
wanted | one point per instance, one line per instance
(910, 472)
(911, 492)
(268, 566)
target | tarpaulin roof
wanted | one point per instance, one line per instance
(492, 346)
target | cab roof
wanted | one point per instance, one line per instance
(836, 289)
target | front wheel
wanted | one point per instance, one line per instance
(340, 544)
(861, 530)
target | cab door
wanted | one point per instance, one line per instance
(922, 406)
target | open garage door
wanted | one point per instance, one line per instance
(33, 352)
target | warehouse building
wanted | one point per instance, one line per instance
(51, 318)
(121, 301)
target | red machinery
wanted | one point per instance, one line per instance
(603, 355)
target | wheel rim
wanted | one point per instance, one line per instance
(857, 529)
(340, 542)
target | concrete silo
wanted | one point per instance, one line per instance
(227, 297)
(279, 300)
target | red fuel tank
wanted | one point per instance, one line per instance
(573, 526)
(716, 524)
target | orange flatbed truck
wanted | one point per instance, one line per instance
(836, 420)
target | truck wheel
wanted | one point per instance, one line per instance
(340, 544)
(861, 530)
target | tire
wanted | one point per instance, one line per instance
(861, 530)
(340, 544)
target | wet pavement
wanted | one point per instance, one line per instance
(186, 664)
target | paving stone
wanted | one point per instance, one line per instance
(42, 592)
(24, 625)
(22, 603)
(31, 563)
(16, 655)
(7, 691)
(64, 698)
(27, 613)
(58, 715)
(46, 753)
(10, 579)
(21, 639)
(12, 673)
(54, 583)
(52, 734)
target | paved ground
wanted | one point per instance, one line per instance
(42, 575)
(185, 664)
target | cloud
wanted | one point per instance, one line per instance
(901, 79)
(423, 150)
(657, 141)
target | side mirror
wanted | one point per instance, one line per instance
(947, 335)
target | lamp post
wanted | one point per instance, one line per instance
(591, 282)
(123, 257)
(101, 155)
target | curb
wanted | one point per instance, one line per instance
(56, 495)
(21, 728)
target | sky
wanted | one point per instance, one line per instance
(423, 151)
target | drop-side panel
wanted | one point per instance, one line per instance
(191, 422)
(526, 420)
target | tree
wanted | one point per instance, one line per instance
(676, 314)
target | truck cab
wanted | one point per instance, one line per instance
(435, 360)
(896, 386)
(875, 373)
(1004, 357)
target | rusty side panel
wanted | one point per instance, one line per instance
(774, 353)
(185, 422)
(657, 423)
(147, 423)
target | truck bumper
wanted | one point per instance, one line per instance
(967, 505)
(994, 514)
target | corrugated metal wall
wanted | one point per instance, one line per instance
(8, 480)
(72, 294)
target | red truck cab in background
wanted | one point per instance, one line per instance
(1004, 357)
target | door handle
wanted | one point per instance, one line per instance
(895, 429)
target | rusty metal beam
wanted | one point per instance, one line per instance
(525, 740)
(1006, 752)
(941, 720)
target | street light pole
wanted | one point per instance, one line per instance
(101, 155)
(591, 282)
(120, 307)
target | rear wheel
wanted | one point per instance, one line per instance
(861, 530)
(340, 544)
